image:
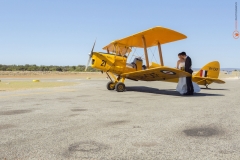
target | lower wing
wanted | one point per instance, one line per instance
(156, 74)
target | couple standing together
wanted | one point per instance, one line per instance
(185, 85)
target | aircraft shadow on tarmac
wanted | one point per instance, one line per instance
(171, 92)
(213, 89)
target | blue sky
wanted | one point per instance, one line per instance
(61, 32)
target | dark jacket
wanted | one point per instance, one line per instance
(188, 65)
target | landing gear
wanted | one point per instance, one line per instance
(116, 83)
(110, 85)
(120, 87)
(206, 85)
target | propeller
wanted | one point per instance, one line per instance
(90, 56)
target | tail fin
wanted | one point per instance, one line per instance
(210, 70)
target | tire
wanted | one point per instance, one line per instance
(110, 85)
(120, 87)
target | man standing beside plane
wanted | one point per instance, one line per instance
(188, 65)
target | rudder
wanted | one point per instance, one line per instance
(210, 70)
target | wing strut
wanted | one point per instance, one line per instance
(160, 54)
(145, 51)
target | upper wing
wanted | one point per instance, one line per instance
(156, 74)
(152, 35)
(204, 80)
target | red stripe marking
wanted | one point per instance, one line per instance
(201, 72)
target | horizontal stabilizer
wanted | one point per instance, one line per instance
(207, 80)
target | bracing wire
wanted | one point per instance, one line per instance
(136, 54)
(153, 56)
(133, 54)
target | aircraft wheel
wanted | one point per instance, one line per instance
(110, 85)
(120, 87)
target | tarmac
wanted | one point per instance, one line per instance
(148, 121)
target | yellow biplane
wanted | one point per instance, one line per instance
(114, 61)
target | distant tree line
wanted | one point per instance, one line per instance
(28, 67)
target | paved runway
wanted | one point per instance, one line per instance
(148, 121)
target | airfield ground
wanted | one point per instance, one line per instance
(83, 120)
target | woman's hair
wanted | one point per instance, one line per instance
(182, 54)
